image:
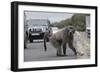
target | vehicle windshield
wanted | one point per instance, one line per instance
(35, 22)
(38, 25)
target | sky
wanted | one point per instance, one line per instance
(52, 16)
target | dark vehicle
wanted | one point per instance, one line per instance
(25, 35)
(37, 28)
(88, 32)
(88, 26)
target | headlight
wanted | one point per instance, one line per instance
(30, 30)
(40, 30)
(46, 29)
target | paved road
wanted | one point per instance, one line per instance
(35, 52)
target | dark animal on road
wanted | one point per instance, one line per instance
(60, 39)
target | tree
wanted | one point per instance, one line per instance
(79, 21)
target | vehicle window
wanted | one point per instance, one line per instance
(38, 25)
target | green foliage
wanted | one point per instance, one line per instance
(77, 20)
(62, 23)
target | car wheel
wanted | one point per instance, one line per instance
(31, 40)
(25, 45)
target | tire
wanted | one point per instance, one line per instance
(25, 45)
(31, 40)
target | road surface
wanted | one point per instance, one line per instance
(35, 52)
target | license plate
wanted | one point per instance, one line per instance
(35, 34)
